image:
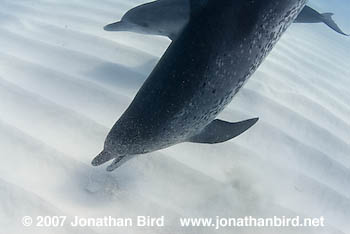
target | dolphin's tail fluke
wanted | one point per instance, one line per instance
(220, 131)
(327, 19)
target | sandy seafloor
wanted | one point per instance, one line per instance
(64, 82)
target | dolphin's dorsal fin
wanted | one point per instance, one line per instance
(219, 131)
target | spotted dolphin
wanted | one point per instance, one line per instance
(169, 17)
(197, 77)
(162, 17)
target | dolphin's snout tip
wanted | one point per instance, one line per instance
(117, 26)
(97, 162)
(94, 162)
(102, 158)
(117, 162)
(107, 28)
(110, 169)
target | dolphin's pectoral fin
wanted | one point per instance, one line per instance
(327, 19)
(102, 158)
(220, 131)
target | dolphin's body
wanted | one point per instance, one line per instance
(223, 44)
(169, 17)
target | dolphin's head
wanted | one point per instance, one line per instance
(102, 158)
(106, 156)
(113, 149)
(119, 145)
(135, 20)
(164, 18)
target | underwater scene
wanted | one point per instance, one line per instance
(175, 116)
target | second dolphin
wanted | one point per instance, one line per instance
(169, 17)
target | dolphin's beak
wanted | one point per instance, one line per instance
(117, 163)
(102, 158)
(118, 26)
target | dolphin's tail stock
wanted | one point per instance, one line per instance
(327, 19)
(220, 131)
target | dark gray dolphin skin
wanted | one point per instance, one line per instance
(223, 44)
(169, 17)
(309, 15)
